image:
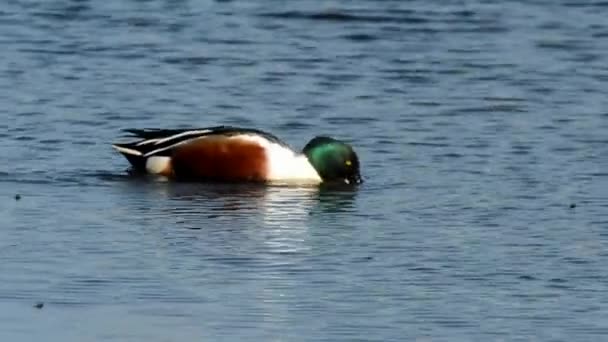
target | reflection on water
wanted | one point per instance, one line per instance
(276, 217)
(220, 198)
(210, 239)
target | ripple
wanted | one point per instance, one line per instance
(336, 16)
(600, 4)
(360, 37)
(295, 126)
(350, 120)
(492, 108)
(191, 60)
(559, 44)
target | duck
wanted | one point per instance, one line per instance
(236, 154)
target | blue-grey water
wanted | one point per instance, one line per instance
(482, 129)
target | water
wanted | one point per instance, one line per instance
(481, 128)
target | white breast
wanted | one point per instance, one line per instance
(284, 165)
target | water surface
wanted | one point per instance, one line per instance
(481, 128)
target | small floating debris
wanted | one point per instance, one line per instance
(39, 305)
(17, 197)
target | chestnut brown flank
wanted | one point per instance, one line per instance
(220, 159)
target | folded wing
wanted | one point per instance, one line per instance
(217, 153)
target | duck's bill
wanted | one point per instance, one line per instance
(355, 179)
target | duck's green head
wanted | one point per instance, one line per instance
(334, 160)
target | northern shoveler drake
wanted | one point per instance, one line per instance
(232, 154)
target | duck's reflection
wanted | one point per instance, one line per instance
(275, 202)
(257, 235)
(253, 215)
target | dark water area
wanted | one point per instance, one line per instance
(481, 127)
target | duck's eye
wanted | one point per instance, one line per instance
(348, 163)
